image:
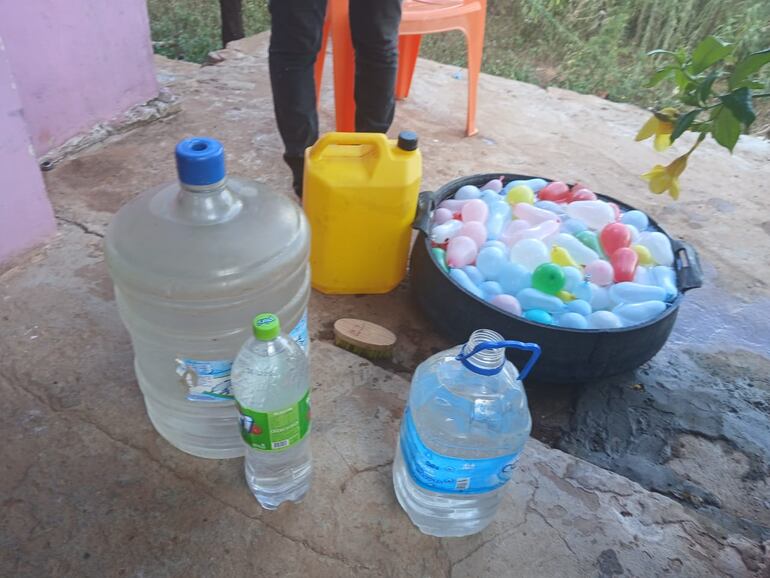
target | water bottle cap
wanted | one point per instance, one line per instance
(200, 161)
(266, 327)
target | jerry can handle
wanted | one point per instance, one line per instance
(533, 348)
(378, 140)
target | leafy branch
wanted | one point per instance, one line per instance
(715, 97)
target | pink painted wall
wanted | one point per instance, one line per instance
(25, 213)
(77, 62)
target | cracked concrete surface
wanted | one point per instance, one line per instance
(89, 489)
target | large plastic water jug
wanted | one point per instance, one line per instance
(463, 430)
(192, 262)
(360, 196)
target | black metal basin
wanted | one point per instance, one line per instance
(568, 355)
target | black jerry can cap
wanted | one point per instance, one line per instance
(407, 140)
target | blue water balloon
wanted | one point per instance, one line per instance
(572, 320)
(461, 278)
(539, 316)
(467, 192)
(533, 299)
(513, 278)
(635, 218)
(581, 307)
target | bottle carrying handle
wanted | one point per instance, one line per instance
(378, 140)
(533, 348)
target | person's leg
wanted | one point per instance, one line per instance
(231, 12)
(374, 29)
(295, 40)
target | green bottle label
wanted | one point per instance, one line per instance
(275, 430)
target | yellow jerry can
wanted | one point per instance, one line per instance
(360, 197)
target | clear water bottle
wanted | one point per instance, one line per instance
(271, 384)
(465, 424)
(191, 259)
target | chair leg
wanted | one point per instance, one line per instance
(320, 60)
(344, 67)
(408, 50)
(474, 35)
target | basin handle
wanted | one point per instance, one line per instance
(424, 210)
(688, 271)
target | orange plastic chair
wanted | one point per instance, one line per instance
(418, 17)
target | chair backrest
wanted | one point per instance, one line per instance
(416, 10)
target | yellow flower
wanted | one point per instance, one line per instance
(663, 179)
(660, 125)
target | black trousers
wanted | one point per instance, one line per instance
(297, 27)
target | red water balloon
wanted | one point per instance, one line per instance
(613, 237)
(583, 195)
(624, 262)
(556, 192)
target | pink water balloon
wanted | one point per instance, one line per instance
(599, 272)
(441, 216)
(461, 251)
(506, 303)
(540, 232)
(512, 229)
(475, 210)
(583, 195)
(476, 231)
(533, 214)
(454, 205)
(615, 209)
(495, 185)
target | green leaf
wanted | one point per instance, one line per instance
(727, 128)
(710, 51)
(683, 123)
(704, 90)
(690, 99)
(739, 103)
(702, 127)
(748, 66)
(682, 80)
(660, 75)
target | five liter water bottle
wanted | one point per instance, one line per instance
(271, 384)
(463, 429)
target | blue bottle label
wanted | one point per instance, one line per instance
(208, 380)
(300, 333)
(439, 473)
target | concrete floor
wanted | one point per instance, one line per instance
(89, 489)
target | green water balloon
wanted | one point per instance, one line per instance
(548, 278)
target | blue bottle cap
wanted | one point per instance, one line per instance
(200, 161)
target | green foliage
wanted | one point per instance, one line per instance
(712, 80)
(593, 46)
(745, 68)
(190, 29)
(598, 46)
(726, 128)
(714, 95)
